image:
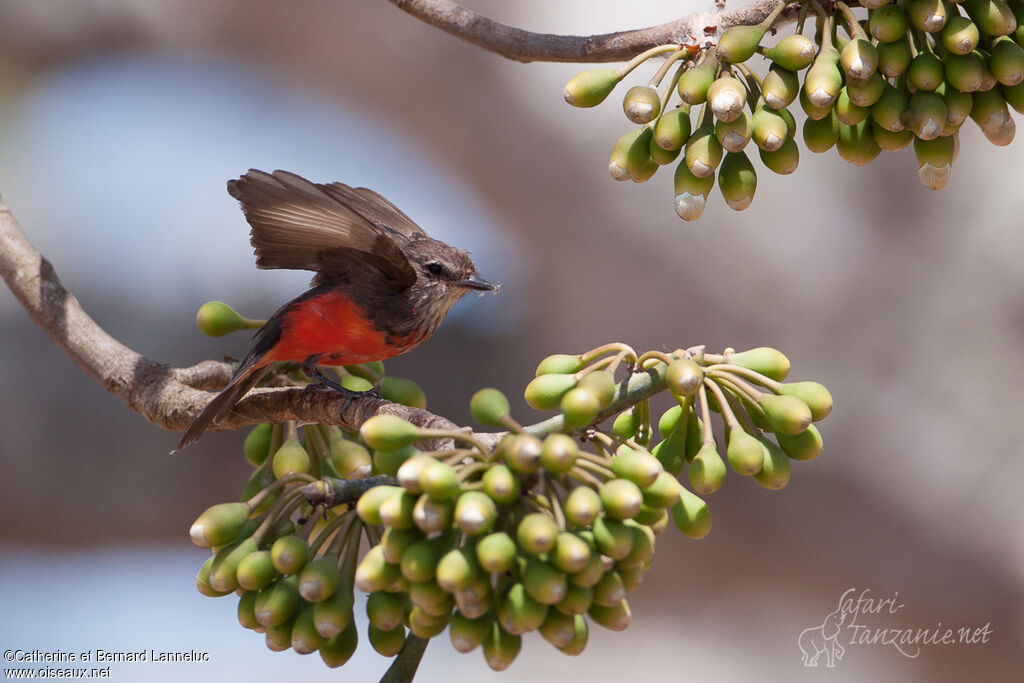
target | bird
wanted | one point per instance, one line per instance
(382, 285)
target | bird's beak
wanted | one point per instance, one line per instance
(478, 283)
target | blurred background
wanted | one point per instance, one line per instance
(121, 120)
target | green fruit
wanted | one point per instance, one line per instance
(1014, 96)
(582, 506)
(219, 524)
(590, 575)
(543, 582)
(373, 573)
(396, 511)
(639, 467)
(888, 24)
(558, 629)
(824, 79)
(489, 407)
(522, 453)
(813, 394)
(247, 611)
(737, 180)
(475, 513)
(626, 423)
(394, 543)
(334, 615)
(320, 578)
(223, 575)
(203, 580)
(430, 514)
(691, 515)
(926, 72)
(966, 73)
(1007, 61)
(745, 453)
(889, 140)
(545, 391)
(590, 88)
(419, 561)
(468, 634)
(501, 648)
(670, 132)
(579, 639)
(500, 484)
(439, 480)
(774, 473)
(794, 52)
(821, 135)
(368, 505)
(960, 35)
(662, 157)
(993, 17)
(926, 115)
(734, 135)
(536, 533)
(426, 626)
(663, 492)
(457, 569)
(989, 111)
(279, 638)
(386, 643)
(340, 648)
(958, 104)
(558, 453)
(671, 452)
(630, 155)
(691, 192)
(621, 497)
(577, 598)
(694, 83)
(431, 598)
(215, 319)
(570, 552)
(642, 552)
(347, 456)
(389, 432)
(703, 153)
(783, 160)
(290, 458)
(739, 43)
(613, 538)
(276, 604)
(580, 407)
(519, 613)
(289, 554)
(385, 610)
(856, 144)
(496, 552)
(764, 360)
(927, 15)
(402, 390)
(615, 618)
(257, 444)
(867, 93)
(602, 384)
(780, 87)
(894, 58)
(847, 112)
(609, 591)
(256, 571)
(560, 364)
(727, 97)
(356, 383)
(641, 104)
(887, 112)
(934, 168)
(859, 59)
(786, 413)
(390, 461)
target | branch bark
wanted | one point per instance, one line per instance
(167, 397)
(527, 46)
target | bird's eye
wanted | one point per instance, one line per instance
(435, 268)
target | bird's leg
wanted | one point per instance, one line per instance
(312, 370)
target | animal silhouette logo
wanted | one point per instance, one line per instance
(823, 640)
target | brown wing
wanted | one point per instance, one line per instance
(297, 224)
(375, 208)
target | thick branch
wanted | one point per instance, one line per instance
(166, 396)
(526, 46)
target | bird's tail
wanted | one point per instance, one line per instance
(244, 380)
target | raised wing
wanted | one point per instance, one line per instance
(301, 225)
(376, 209)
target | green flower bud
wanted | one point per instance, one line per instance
(813, 394)
(570, 553)
(683, 378)
(602, 384)
(389, 432)
(468, 634)
(500, 484)
(887, 112)
(409, 472)
(475, 513)
(663, 492)
(426, 626)
(560, 364)
(1014, 96)
(794, 52)
(630, 155)
(770, 129)
(821, 135)
(691, 515)
(224, 570)
(890, 141)
(670, 132)
(340, 648)
(639, 467)
(431, 598)
(824, 79)
(349, 458)
(1007, 61)
(727, 97)
(476, 601)
(219, 524)
(632, 578)
(496, 552)
(856, 144)
(305, 639)
(926, 115)
(590, 88)
(545, 391)
(960, 35)
(580, 407)
(289, 554)
(613, 538)
(373, 573)
(385, 610)
(558, 629)
(257, 444)
(368, 506)
(290, 458)
(279, 638)
(958, 104)
(694, 83)
(662, 157)
(641, 104)
(543, 582)
(609, 591)
(247, 611)
(577, 598)
(927, 15)
(389, 461)
(520, 613)
(403, 391)
(386, 643)
(430, 514)
(558, 453)
(926, 72)
(934, 164)
(621, 497)
(989, 111)
(334, 615)
(320, 578)
(590, 574)
(859, 59)
(691, 192)
(215, 319)
(739, 43)
(640, 554)
(489, 407)
(276, 604)
(787, 413)
(993, 17)
(356, 383)
(522, 452)
(396, 510)
(867, 93)
(737, 180)
(579, 639)
(536, 533)
(703, 153)
(501, 648)
(745, 453)
(457, 569)
(894, 57)
(615, 618)
(780, 87)
(582, 506)
(764, 360)
(203, 580)
(888, 24)
(419, 561)
(626, 424)
(774, 472)
(783, 160)
(707, 469)
(803, 446)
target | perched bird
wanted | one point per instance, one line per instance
(382, 285)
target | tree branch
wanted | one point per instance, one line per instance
(526, 46)
(167, 397)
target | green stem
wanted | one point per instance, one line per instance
(403, 669)
(723, 404)
(643, 57)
